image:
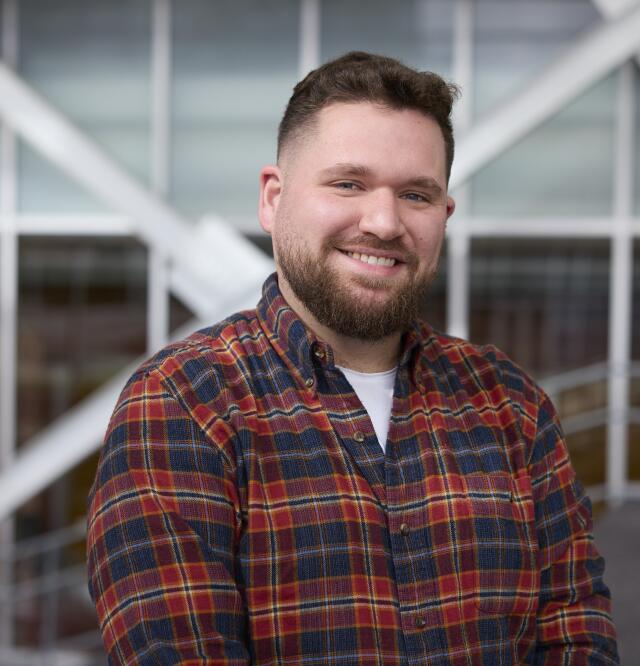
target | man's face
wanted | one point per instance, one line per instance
(357, 212)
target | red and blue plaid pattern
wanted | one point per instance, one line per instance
(244, 513)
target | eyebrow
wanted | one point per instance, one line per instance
(342, 169)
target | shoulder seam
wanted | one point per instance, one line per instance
(166, 383)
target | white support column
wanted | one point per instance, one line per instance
(8, 308)
(458, 238)
(621, 291)
(158, 263)
(309, 49)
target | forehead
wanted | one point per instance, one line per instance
(365, 132)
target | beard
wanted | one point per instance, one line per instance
(345, 310)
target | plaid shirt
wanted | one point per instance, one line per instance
(244, 512)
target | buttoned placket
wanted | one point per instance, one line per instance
(403, 541)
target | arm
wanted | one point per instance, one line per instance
(162, 530)
(574, 614)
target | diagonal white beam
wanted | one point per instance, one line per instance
(586, 62)
(204, 266)
(614, 8)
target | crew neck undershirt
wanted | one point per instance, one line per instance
(375, 391)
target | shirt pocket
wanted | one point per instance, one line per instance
(502, 549)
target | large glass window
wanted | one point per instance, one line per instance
(92, 62)
(235, 65)
(514, 40)
(82, 317)
(564, 167)
(545, 303)
(418, 32)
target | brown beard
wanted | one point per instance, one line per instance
(334, 305)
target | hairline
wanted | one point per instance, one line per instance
(310, 125)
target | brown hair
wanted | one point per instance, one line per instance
(365, 77)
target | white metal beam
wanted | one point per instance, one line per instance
(612, 9)
(8, 307)
(582, 65)
(157, 224)
(309, 44)
(158, 265)
(116, 225)
(621, 291)
(458, 239)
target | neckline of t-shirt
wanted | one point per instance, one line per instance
(369, 375)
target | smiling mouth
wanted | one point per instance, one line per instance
(371, 259)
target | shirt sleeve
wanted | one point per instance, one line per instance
(574, 615)
(163, 526)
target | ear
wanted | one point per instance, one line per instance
(451, 206)
(271, 181)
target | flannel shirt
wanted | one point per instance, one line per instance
(244, 513)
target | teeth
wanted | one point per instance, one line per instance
(371, 259)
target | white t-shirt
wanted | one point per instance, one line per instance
(375, 390)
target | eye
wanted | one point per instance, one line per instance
(416, 196)
(346, 185)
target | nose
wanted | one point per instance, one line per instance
(381, 216)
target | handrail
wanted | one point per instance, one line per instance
(41, 543)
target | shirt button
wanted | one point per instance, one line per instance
(404, 529)
(359, 437)
(309, 382)
(421, 623)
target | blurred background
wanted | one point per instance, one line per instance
(132, 133)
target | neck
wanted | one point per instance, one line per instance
(360, 355)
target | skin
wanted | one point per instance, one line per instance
(366, 179)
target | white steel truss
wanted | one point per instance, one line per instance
(200, 281)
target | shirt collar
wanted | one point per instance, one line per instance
(296, 343)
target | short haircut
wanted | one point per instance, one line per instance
(365, 77)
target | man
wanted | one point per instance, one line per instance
(325, 479)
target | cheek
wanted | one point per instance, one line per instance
(429, 243)
(333, 212)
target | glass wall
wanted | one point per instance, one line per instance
(92, 62)
(417, 32)
(515, 40)
(546, 305)
(233, 69)
(564, 167)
